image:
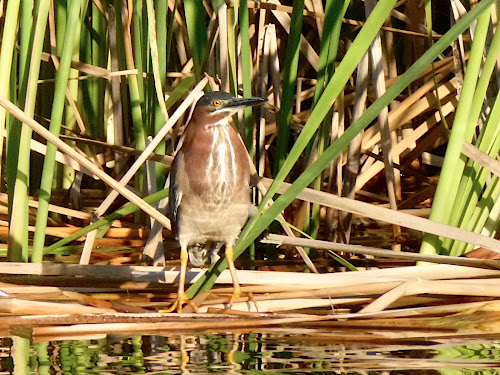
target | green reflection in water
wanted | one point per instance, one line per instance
(241, 354)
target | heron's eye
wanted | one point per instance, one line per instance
(216, 103)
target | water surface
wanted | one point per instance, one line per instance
(273, 352)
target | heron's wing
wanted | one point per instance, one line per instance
(175, 192)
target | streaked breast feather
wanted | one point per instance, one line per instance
(221, 168)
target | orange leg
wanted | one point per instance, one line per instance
(232, 270)
(182, 297)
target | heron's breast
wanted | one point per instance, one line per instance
(222, 166)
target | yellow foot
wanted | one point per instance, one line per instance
(179, 302)
(233, 298)
(237, 295)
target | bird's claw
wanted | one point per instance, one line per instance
(233, 298)
(237, 295)
(179, 302)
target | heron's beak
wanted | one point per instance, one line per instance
(240, 103)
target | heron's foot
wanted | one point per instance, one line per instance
(237, 294)
(182, 299)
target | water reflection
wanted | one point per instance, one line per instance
(240, 353)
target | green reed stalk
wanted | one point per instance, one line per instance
(29, 66)
(55, 128)
(478, 194)
(232, 22)
(161, 11)
(334, 12)
(170, 32)
(475, 176)
(289, 84)
(138, 47)
(136, 82)
(484, 217)
(246, 67)
(6, 62)
(18, 204)
(94, 51)
(454, 161)
(127, 105)
(197, 32)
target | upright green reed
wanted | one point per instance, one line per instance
(139, 49)
(94, 101)
(136, 87)
(124, 100)
(463, 129)
(475, 177)
(334, 13)
(473, 207)
(233, 50)
(73, 88)
(161, 10)
(289, 84)
(246, 67)
(18, 207)
(197, 31)
(31, 43)
(55, 128)
(246, 128)
(170, 32)
(6, 62)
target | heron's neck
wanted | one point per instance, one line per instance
(221, 123)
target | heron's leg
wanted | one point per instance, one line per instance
(182, 297)
(232, 270)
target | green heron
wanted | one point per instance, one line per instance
(209, 198)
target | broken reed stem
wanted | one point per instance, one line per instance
(356, 249)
